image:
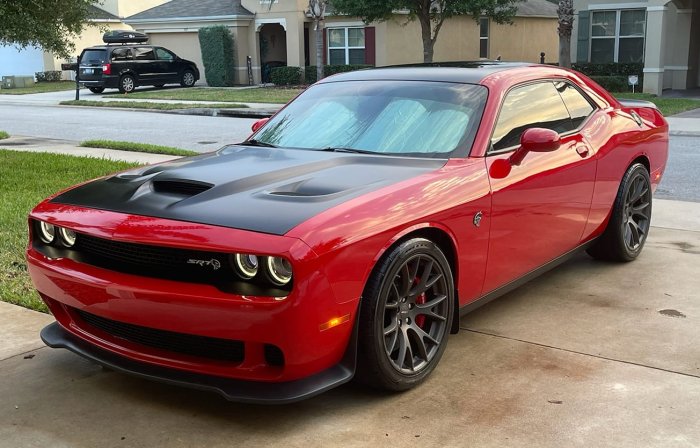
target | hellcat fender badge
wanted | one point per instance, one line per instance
(214, 263)
(477, 218)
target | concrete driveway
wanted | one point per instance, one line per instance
(591, 354)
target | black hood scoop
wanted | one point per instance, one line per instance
(269, 190)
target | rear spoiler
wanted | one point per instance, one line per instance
(636, 104)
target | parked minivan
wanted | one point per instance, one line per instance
(126, 66)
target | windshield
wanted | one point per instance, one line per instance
(412, 118)
(93, 56)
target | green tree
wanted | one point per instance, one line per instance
(49, 24)
(431, 14)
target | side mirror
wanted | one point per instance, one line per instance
(535, 140)
(258, 124)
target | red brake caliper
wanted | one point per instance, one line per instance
(420, 320)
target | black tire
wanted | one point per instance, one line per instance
(627, 230)
(96, 89)
(401, 335)
(187, 79)
(127, 84)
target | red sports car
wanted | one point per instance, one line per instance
(350, 232)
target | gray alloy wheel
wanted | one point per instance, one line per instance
(187, 79)
(127, 84)
(406, 314)
(630, 220)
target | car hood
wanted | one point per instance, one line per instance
(268, 190)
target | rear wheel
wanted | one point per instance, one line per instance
(405, 316)
(127, 84)
(630, 220)
(96, 89)
(187, 79)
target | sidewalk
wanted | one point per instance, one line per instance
(586, 355)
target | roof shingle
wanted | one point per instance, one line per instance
(175, 9)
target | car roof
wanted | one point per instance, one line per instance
(464, 72)
(107, 47)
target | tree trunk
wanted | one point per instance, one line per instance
(565, 51)
(426, 34)
(319, 51)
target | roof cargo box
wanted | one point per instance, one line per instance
(124, 37)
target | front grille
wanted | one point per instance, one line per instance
(156, 261)
(187, 344)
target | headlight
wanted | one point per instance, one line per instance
(67, 236)
(279, 270)
(47, 232)
(246, 265)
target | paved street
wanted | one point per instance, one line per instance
(78, 124)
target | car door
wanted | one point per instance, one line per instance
(539, 208)
(167, 66)
(145, 65)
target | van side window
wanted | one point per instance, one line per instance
(144, 53)
(121, 54)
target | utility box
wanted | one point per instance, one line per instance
(16, 82)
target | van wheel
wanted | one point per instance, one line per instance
(187, 79)
(405, 316)
(96, 89)
(127, 84)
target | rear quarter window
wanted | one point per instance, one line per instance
(121, 54)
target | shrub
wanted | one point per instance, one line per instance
(218, 55)
(49, 76)
(286, 76)
(328, 70)
(613, 69)
(612, 83)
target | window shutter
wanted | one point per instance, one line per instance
(370, 46)
(584, 26)
(325, 46)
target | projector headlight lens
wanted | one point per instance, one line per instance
(47, 232)
(68, 236)
(279, 270)
(246, 265)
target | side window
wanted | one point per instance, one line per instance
(579, 107)
(531, 106)
(121, 54)
(144, 53)
(164, 55)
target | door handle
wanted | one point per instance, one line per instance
(582, 150)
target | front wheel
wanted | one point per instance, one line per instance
(127, 84)
(405, 316)
(188, 79)
(96, 89)
(627, 230)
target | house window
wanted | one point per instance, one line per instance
(346, 46)
(484, 37)
(618, 36)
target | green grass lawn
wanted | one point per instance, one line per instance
(150, 105)
(667, 106)
(276, 95)
(26, 178)
(4, 135)
(137, 147)
(40, 87)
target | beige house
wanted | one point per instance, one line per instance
(663, 34)
(279, 32)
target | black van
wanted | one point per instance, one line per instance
(126, 66)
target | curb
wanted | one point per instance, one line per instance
(212, 112)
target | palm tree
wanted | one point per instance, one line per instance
(317, 11)
(565, 11)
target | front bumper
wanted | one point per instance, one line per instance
(314, 359)
(55, 336)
